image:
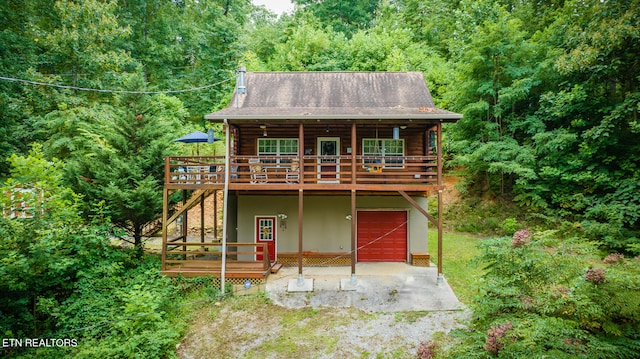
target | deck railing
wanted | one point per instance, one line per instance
(257, 170)
(197, 254)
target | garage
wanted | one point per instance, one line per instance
(382, 236)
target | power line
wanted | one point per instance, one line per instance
(113, 91)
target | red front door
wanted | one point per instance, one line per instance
(266, 233)
(382, 236)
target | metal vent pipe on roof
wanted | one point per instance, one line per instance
(242, 89)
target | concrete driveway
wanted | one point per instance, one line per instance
(381, 287)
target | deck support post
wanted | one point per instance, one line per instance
(300, 221)
(202, 217)
(185, 223)
(215, 214)
(165, 215)
(353, 235)
(440, 209)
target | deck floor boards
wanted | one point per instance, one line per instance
(234, 269)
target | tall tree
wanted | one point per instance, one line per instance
(494, 77)
(342, 16)
(595, 112)
(114, 153)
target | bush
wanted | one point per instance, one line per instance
(553, 298)
(60, 278)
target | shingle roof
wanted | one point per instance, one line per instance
(333, 95)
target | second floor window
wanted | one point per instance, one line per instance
(276, 147)
(386, 151)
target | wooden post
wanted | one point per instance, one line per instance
(202, 217)
(167, 169)
(215, 214)
(440, 207)
(165, 214)
(185, 224)
(301, 154)
(300, 198)
(353, 233)
(300, 221)
(353, 155)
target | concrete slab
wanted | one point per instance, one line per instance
(297, 285)
(384, 287)
(350, 284)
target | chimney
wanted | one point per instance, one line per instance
(241, 88)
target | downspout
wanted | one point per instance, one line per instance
(227, 169)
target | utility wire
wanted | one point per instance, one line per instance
(113, 91)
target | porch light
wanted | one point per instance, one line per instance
(348, 217)
(264, 130)
(283, 220)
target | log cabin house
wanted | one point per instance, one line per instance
(321, 168)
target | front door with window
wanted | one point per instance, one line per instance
(266, 233)
(328, 159)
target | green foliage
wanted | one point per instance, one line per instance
(135, 303)
(60, 277)
(559, 297)
(42, 253)
(343, 16)
(115, 153)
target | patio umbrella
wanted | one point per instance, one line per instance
(198, 137)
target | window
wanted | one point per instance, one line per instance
(388, 152)
(277, 147)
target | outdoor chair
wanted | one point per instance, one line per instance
(212, 175)
(258, 174)
(293, 172)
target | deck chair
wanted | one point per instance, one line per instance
(293, 172)
(258, 174)
(212, 175)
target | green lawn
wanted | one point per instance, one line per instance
(458, 266)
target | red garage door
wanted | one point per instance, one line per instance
(382, 236)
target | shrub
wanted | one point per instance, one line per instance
(427, 350)
(538, 300)
(495, 335)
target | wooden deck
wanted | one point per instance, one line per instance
(234, 269)
(276, 172)
(192, 259)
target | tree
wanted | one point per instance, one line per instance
(114, 153)
(44, 243)
(495, 76)
(342, 16)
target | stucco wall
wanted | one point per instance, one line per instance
(325, 227)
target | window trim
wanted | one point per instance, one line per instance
(278, 152)
(384, 155)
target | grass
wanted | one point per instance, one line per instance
(458, 266)
(252, 326)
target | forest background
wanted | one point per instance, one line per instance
(92, 92)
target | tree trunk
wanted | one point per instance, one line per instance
(137, 240)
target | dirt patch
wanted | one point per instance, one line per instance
(253, 327)
(450, 194)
